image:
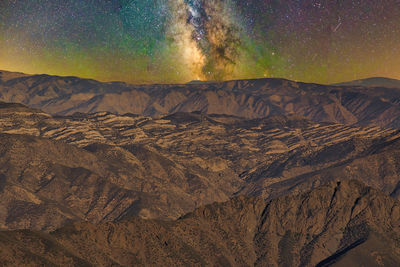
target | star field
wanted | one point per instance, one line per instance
(164, 41)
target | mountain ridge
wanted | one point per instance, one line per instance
(251, 99)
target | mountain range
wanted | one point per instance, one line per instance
(265, 172)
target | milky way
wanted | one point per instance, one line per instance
(208, 36)
(164, 41)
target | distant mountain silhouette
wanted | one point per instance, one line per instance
(373, 82)
(200, 82)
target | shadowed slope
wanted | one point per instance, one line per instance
(323, 226)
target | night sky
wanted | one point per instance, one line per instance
(165, 41)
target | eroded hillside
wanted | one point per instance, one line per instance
(105, 167)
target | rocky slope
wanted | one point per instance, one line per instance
(340, 224)
(259, 98)
(105, 167)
